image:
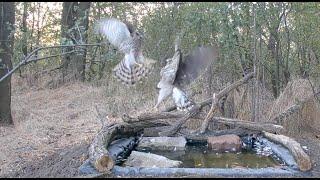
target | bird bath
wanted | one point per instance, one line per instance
(199, 156)
(264, 159)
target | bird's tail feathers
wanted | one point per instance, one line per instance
(136, 74)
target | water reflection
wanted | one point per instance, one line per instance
(201, 157)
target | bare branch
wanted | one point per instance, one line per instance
(217, 97)
(27, 59)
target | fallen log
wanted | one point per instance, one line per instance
(251, 125)
(152, 116)
(99, 156)
(202, 138)
(303, 160)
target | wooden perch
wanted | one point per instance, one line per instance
(195, 109)
(202, 138)
(303, 160)
(210, 114)
(215, 101)
(185, 116)
(225, 91)
(152, 116)
(217, 97)
(251, 125)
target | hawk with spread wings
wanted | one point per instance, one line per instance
(180, 72)
(134, 66)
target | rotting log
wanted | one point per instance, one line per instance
(303, 160)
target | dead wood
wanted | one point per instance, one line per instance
(152, 116)
(251, 125)
(210, 114)
(99, 156)
(218, 96)
(303, 160)
(202, 138)
(144, 118)
(195, 109)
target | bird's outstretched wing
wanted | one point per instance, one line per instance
(115, 31)
(195, 64)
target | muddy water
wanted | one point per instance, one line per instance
(201, 157)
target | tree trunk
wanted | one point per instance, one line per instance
(83, 15)
(74, 64)
(7, 20)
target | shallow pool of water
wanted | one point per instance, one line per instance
(201, 157)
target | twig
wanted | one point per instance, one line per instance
(47, 57)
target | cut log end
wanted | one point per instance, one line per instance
(104, 164)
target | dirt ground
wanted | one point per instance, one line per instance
(51, 132)
(53, 128)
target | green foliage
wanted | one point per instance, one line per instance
(294, 27)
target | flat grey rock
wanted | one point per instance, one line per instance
(86, 168)
(142, 159)
(162, 143)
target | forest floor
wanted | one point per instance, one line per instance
(53, 129)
